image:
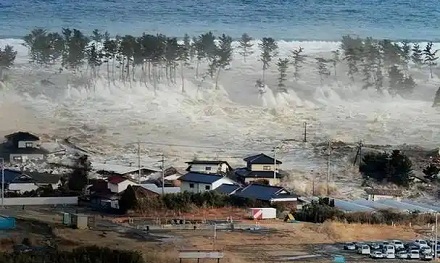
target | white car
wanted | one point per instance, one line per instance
(388, 248)
(413, 254)
(426, 256)
(421, 243)
(364, 250)
(349, 246)
(402, 254)
(389, 254)
(397, 244)
(376, 254)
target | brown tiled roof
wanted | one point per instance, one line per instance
(379, 191)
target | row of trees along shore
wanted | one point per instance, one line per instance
(159, 57)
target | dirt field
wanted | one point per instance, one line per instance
(277, 241)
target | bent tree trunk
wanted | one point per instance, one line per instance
(182, 77)
(217, 77)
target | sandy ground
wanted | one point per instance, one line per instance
(278, 240)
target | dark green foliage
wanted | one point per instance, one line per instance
(298, 59)
(335, 60)
(128, 199)
(224, 55)
(319, 211)
(395, 168)
(430, 57)
(186, 51)
(416, 56)
(283, 65)
(322, 67)
(391, 53)
(75, 44)
(431, 172)
(79, 177)
(371, 64)
(245, 46)
(399, 84)
(406, 54)
(44, 48)
(268, 48)
(436, 102)
(7, 58)
(92, 254)
(353, 49)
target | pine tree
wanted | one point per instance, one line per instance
(369, 62)
(416, 56)
(184, 57)
(224, 55)
(171, 56)
(352, 48)
(268, 48)
(436, 102)
(7, 58)
(406, 55)
(188, 54)
(297, 58)
(74, 51)
(245, 46)
(110, 49)
(283, 65)
(391, 53)
(335, 60)
(395, 77)
(430, 57)
(323, 70)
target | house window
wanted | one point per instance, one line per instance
(267, 168)
(16, 158)
(191, 185)
(207, 187)
(29, 145)
(207, 168)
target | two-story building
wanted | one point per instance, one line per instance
(198, 182)
(22, 146)
(118, 184)
(259, 168)
(209, 167)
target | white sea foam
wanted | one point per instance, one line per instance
(235, 119)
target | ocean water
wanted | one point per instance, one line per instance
(325, 20)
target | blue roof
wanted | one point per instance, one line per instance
(10, 175)
(227, 189)
(200, 178)
(264, 192)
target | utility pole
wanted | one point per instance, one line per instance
(139, 161)
(163, 174)
(436, 236)
(328, 167)
(360, 153)
(275, 162)
(3, 182)
(305, 132)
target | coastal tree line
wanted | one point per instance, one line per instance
(151, 59)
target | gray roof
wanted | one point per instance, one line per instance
(22, 136)
(26, 151)
(227, 189)
(158, 190)
(206, 162)
(261, 159)
(243, 172)
(44, 178)
(264, 192)
(200, 178)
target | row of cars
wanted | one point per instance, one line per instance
(418, 249)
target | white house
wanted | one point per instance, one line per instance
(209, 167)
(260, 167)
(22, 146)
(375, 194)
(118, 184)
(27, 182)
(198, 182)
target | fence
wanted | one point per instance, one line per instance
(69, 200)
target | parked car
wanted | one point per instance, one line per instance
(397, 244)
(427, 256)
(421, 243)
(359, 244)
(349, 246)
(388, 248)
(364, 250)
(389, 254)
(376, 254)
(426, 250)
(402, 254)
(374, 246)
(413, 254)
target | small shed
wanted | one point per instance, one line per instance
(80, 221)
(375, 194)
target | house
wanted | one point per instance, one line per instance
(199, 182)
(16, 181)
(22, 146)
(227, 189)
(209, 167)
(158, 190)
(260, 167)
(269, 194)
(375, 194)
(118, 184)
(45, 179)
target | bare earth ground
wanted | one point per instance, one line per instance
(281, 240)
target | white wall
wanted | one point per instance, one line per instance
(22, 144)
(41, 200)
(22, 187)
(200, 187)
(25, 157)
(260, 167)
(117, 188)
(382, 197)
